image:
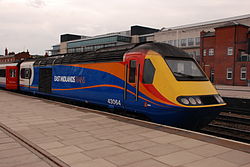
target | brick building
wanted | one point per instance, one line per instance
(226, 54)
(12, 57)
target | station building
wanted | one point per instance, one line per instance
(12, 57)
(226, 54)
(189, 38)
(71, 43)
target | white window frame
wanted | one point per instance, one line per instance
(212, 75)
(174, 42)
(191, 42)
(211, 52)
(243, 70)
(204, 52)
(197, 41)
(230, 51)
(183, 42)
(229, 70)
(170, 42)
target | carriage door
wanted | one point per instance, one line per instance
(45, 80)
(11, 77)
(131, 87)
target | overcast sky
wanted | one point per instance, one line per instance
(37, 24)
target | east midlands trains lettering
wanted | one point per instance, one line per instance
(72, 79)
(64, 79)
(158, 80)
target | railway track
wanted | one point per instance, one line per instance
(237, 110)
(232, 123)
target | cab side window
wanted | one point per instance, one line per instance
(132, 71)
(26, 73)
(148, 72)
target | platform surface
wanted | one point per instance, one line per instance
(13, 153)
(85, 138)
(234, 91)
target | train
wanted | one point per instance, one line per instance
(156, 80)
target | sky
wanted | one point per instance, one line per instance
(36, 25)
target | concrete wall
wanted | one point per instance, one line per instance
(63, 47)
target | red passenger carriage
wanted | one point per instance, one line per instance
(9, 76)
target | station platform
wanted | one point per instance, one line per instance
(78, 137)
(12, 153)
(242, 92)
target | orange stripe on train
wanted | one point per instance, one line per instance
(117, 69)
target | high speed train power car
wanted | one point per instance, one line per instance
(157, 80)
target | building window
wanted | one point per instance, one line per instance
(170, 42)
(183, 42)
(190, 41)
(174, 43)
(191, 54)
(229, 51)
(229, 73)
(197, 55)
(178, 43)
(197, 41)
(212, 75)
(243, 73)
(244, 56)
(211, 52)
(79, 49)
(204, 52)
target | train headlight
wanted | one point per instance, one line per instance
(184, 100)
(219, 99)
(198, 100)
(192, 100)
(222, 101)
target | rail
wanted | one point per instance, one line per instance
(232, 123)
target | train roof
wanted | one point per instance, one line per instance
(111, 54)
(8, 64)
(163, 49)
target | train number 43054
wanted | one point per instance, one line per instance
(114, 102)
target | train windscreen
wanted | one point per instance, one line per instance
(185, 69)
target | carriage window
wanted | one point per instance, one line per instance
(132, 71)
(12, 73)
(26, 73)
(2, 73)
(148, 72)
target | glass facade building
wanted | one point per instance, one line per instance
(55, 49)
(95, 43)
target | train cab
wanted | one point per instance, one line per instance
(9, 76)
(171, 84)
